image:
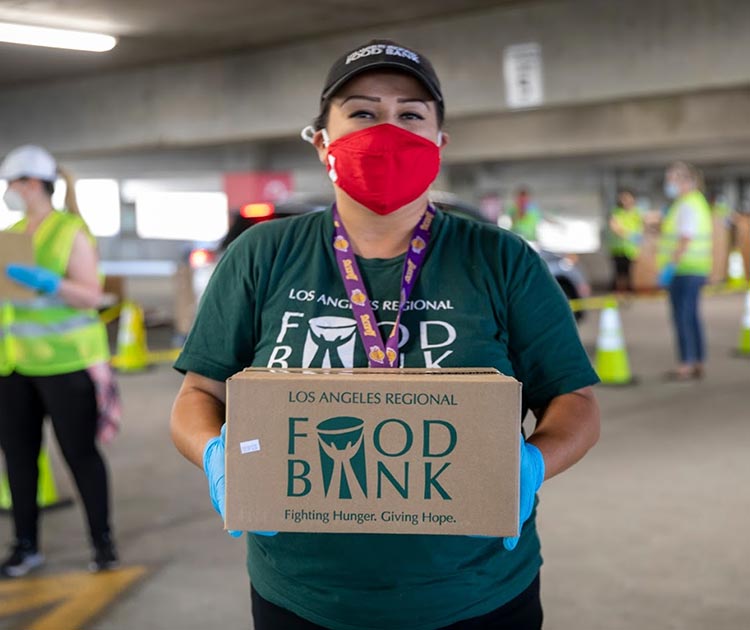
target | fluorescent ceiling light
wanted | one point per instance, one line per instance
(55, 38)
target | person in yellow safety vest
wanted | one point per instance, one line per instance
(684, 259)
(625, 237)
(47, 345)
(524, 215)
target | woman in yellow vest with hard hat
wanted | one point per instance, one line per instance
(625, 237)
(685, 261)
(49, 347)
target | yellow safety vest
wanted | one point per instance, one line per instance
(631, 223)
(698, 257)
(44, 336)
(525, 225)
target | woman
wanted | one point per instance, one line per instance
(685, 259)
(379, 135)
(51, 359)
(625, 238)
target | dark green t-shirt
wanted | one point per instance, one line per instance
(484, 298)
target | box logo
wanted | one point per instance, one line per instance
(342, 457)
(398, 457)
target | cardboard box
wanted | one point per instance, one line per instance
(720, 245)
(742, 223)
(644, 273)
(404, 451)
(15, 248)
(184, 300)
(115, 287)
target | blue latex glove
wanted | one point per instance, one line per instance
(532, 476)
(667, 275)
(213, 466)
(37, 278)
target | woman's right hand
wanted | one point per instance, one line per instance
(213, 466)
(36, 278)
(197, 414)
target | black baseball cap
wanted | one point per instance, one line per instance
(380, 54)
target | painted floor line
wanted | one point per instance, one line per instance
(79, 596)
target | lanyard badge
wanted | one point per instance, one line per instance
(379, 353)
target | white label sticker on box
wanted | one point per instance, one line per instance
(250, 446)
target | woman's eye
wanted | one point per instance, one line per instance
(361, 113)
(412, 116)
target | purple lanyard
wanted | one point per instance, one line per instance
(369, 333)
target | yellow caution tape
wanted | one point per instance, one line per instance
(164, 356)
(111, 314)
(606, 301)
(590, 304)
(726, 288)
(577, 304)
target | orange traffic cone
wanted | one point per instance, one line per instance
(132, 352)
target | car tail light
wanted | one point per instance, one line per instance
(201, 257)
(257, 210)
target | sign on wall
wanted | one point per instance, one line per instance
(257, 187)
(522, 69)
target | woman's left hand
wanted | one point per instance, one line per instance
(531, 478)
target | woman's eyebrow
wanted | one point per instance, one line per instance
(413, 100)
(374, 99)
(377, 99)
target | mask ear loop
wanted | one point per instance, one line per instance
(439, 140)
(307, 134)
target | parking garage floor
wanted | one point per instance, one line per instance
(649, 531)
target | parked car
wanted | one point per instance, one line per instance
(563, 267)
(203, 261)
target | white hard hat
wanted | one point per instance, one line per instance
(29, 160)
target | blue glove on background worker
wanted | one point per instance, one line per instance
(37, 278)
(213, 466)
(532, 476)
(667, 275)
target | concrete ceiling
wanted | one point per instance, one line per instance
(160, 32)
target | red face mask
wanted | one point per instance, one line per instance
(383, 167)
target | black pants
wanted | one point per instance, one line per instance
(524, 612)
(69, 400)
(622, 272)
